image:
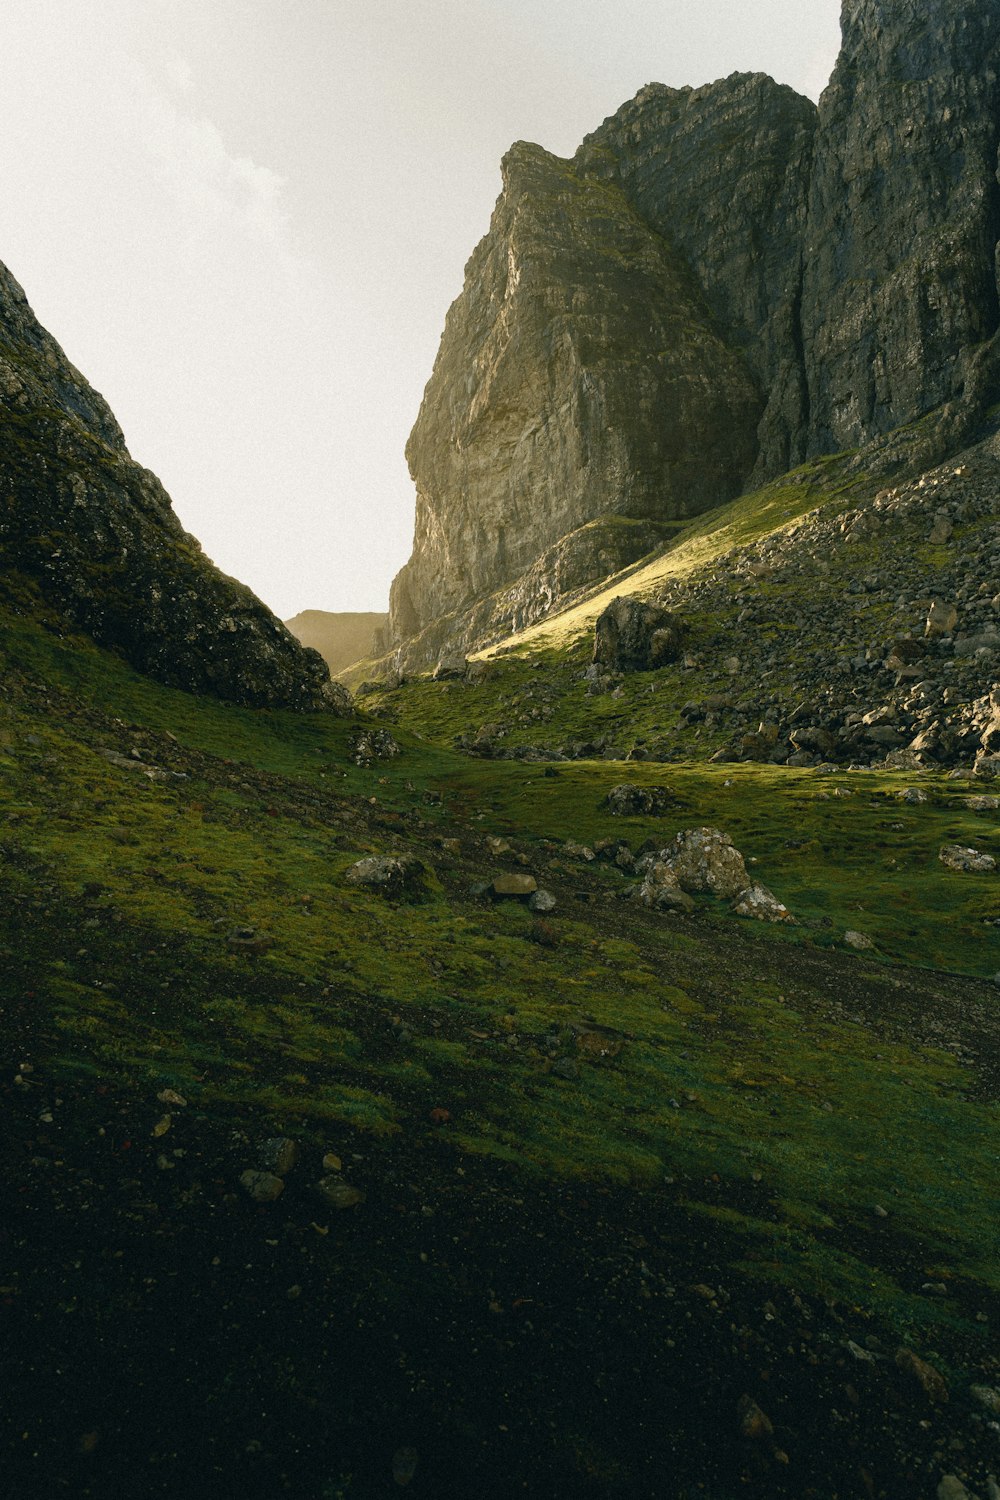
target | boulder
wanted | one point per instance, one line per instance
(631, 636)
(661, 889)
(451, 667)
(966, 861)
(704, 859)
(762, 905)
(942, 618)
(513, 887)
(631, 801)
(386, 874)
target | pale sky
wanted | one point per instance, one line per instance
(244, 220)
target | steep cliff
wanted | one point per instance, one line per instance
(96, 535)
(900, 281)
(580, 374)
(722, 282)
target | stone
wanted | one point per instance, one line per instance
(279, 1155)
(858, 940)
(566, 1067)
(987, 1396)
(542, 901)
(931, 1381)
(952, 1488)
(754, 1423)
(942, 619)
(941, 532)
(630, 801)
(704, 859)
(170, 1096)
(633, 636)
(337, 1193)
(513, 887)
(967, 861)
(371, 745)
(387, 875)
(662, 889)
(451, 668)
(760, 904)
(262, 1187)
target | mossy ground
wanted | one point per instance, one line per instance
(752, 1069)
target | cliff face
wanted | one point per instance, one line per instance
(96, 534)
(900, 279)
(580, 374)
(722, 282)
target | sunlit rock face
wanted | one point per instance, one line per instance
(581, 372)
(95, 535)
(721, 283)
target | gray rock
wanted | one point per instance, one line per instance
(967, 861)
(542, 901)
(385, 874)
(858, 940)
(514, 887)
(760, 904)
(279, 1155)
(262, 1187)
(633, 636)
(630, 801)
(337, 1193)
(704, 859)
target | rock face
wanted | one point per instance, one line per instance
(580, 373)
(721, 283)
(899, 294)
(95, 535)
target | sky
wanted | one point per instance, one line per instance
(244, 221)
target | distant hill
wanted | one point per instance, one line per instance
(341, 639)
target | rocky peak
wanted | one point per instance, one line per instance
(722, 282)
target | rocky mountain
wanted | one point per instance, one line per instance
(340, 638)
(93, 534)
(722, 282)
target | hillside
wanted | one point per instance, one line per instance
(604, 1137)
(340, 638)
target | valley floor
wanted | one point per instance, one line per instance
(601, 1202)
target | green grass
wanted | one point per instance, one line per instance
(119, 895)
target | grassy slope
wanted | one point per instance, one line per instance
(758, 1075)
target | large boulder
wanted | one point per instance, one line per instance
(704, 859)
(631, 636)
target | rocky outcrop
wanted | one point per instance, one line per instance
(722, 282)
(94, 534)
(580, 372)
(631, 636)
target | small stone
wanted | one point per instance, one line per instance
(542, 901)
(279, 1155)
(338, 1193)
(858, 940)
(404, 1465)
(566, 1067)
(988, 1396)
(951, 1488)
(931, 1381)
(262, 1187)
(331, 1162)
(169, 1096)
(762, 905)
(161, 1127)
(514, 887)
(754, 1424)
